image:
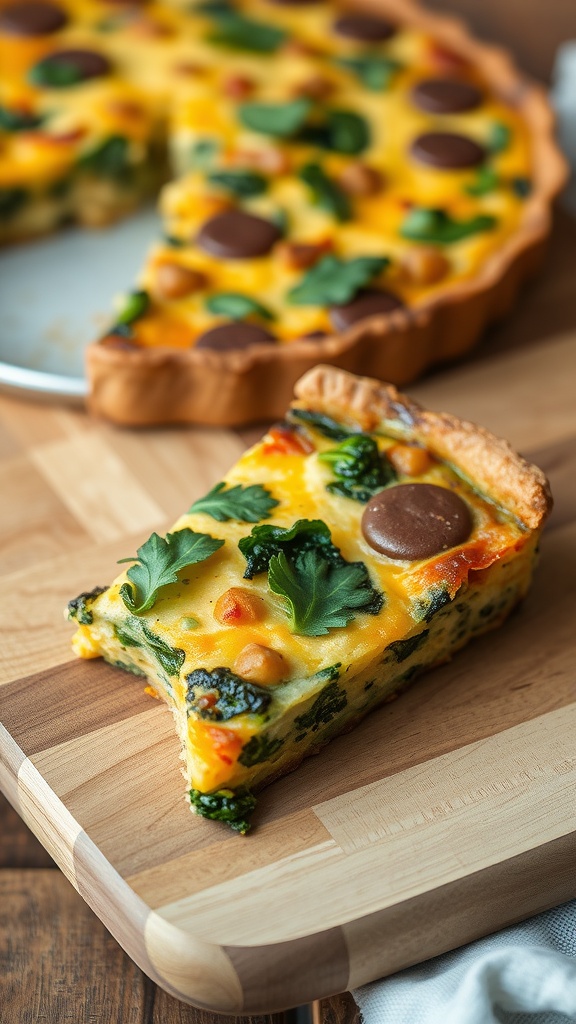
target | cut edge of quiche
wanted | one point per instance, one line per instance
(363, 541)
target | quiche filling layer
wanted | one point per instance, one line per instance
(328, 165)
(328, 569)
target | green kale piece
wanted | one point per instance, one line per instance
(327, 195)
(234, 696)
(282, 120)
(265, 541)
(237, 306)
(158, 562)
(259, 749)
(239, 183)
(11, 201)
(18, 120)
(329, 703)
(323, 424)
(108, 159)
(78, 607)
(359, 467)
(246, 504)
(233, 808)
(427, 225)
(135, 633)
(321, 595)
(426, 608)
(402, 649)
(373, 70)
(334, 281)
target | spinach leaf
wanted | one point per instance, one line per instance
(333, 281)
(108, 159)
(402, 649)
(265, 541)
(323, 424)
(326, 193)
(232, 807)
(359, 467)
(233, 695)
(259, 749)
(278, 119)
(235, 32)
(427, 225)
(237, 306)
(329, 703)
(246, 504)
(373, 70)
(485, 181)
(348, 132)
(135, 633)
(239, 183)
(18, 120)
(499, 137)
(79, 607)
(135, 305)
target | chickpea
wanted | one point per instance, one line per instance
(237, 607)
(317, 87)
(175, 281)
(260, 664)
(408, 459)
(300, 256)
(424, 264)
(359, 179)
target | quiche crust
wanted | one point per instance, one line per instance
(261, 670)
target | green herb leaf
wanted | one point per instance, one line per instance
(424, 225)
(236, 32)
(329, 703)
(485, 181)
(233, 808)
(233, 695)
(319, 594)
(18, 120)
(348, 132)
(259, 749)
(278, 119)
(109, 159)
(237, 306)
(202, 154)
(333, 282)
(326, 193)
(359, 467)
(499, 137)
(374, 70)
(158, 563)
(135, 633)
(323, 424)
(11, 201)
(426, 607)
(246, 504)
(239, 183)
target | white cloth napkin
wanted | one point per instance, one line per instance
(523, 975)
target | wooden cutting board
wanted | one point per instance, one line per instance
(442, 817)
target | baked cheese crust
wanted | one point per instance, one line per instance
(362, 541)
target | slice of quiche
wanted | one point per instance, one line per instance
(362, 541)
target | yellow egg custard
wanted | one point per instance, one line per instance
(362, 541)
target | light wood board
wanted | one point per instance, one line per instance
(443, 816)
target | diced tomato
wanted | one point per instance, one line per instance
(225, 743)
(285, 441)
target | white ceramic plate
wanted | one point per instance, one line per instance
(55, 297)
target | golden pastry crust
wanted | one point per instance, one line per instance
(151, 385)
(489, 461)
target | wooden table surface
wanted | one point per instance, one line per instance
(57, 961)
